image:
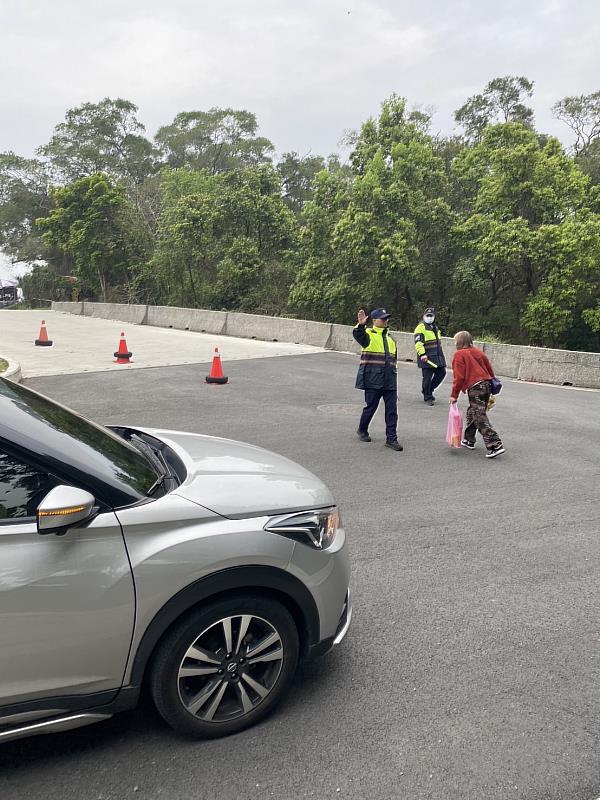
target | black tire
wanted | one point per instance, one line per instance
(175, 694)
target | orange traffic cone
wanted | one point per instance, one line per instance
(216, 371)
(43, 340)
(123, 355)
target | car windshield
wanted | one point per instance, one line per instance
(104, 451)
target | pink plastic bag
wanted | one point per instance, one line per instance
(455, 426)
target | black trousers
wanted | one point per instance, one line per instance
(431, 380)
(372, 398)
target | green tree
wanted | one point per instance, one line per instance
(24, 197)
(217, 140)
(582, 114)
(93, 222)
(380, 240)
(526, 239)
(498, 228)
(43, 282)
(502, 100)
(588, 159)
(100, 137)
(297, 175)
(564, 311)
(224, 240)
(321, 289)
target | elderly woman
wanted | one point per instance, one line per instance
(473, 374)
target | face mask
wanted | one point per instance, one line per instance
(429, 319)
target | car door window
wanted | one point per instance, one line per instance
(22, 488)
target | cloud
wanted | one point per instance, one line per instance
(308, 70)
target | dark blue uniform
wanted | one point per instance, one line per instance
(377, 376)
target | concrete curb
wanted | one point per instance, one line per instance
(13, 371)
(542, 365)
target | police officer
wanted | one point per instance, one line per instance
(377, 374)
(428, 345)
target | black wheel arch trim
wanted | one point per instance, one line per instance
(261, 579)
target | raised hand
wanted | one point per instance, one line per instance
(362, 317)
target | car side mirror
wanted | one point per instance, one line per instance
(63, 507)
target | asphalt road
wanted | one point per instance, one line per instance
(471, 669)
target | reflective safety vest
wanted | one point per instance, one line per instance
(428, 343)
(378, 360)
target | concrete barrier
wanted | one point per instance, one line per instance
(510, 361)
(505, 358)
(342, 339)
(122, 312)
(187, 319)
(278, 329)
(405, 345)
(565, 367)
(68, 308)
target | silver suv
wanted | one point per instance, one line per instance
(204, 567)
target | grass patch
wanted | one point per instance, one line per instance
(3, 365)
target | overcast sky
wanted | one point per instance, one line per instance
(309, 69)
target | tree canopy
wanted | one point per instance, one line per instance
(100, 137)
(497, 225)
(502, 100)
(217, 140)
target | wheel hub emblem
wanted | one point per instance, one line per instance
(231, 667)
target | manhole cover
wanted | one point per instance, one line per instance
(349, 409)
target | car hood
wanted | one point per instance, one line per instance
(239, 480)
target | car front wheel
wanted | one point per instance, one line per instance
(226, 666)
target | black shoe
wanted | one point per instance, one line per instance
(468, 445)
(394, 445)
(496, 451)
(430, 402)
(363, 436)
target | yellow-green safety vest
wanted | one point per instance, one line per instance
(378, 364)
(428, 343)
(374, 353)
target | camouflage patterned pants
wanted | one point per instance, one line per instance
(477, 418)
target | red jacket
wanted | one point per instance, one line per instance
(470, 366)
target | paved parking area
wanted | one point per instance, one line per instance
(471, 670)
(85, 344)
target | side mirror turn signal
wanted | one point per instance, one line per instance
(63, 507)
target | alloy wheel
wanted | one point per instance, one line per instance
(230, 668)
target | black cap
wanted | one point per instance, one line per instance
(429, 311)
(380, 313)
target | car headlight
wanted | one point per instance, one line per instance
(315, 528)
